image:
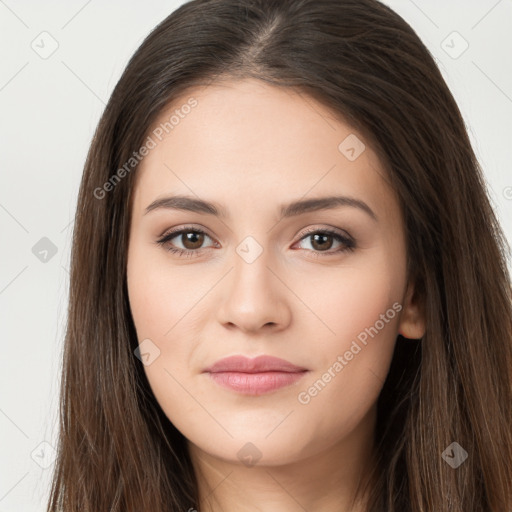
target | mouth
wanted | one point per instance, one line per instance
(257, 376)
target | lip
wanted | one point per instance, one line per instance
(256, 376)
(255, 365)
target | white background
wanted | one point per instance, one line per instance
(48, 111)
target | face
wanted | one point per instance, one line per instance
(324, 289)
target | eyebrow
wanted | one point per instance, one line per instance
(192, 204)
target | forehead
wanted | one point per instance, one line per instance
(259, 142)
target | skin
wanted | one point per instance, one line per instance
(251, 147)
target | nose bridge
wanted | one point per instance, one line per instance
(255, 296)
(251, 272)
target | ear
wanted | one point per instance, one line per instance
(412, 319)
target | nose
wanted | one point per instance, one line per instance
(254, 296)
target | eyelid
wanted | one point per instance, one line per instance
(185, 227)
(316, 229)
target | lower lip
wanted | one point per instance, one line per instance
(256, 383)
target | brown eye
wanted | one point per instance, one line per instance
(321, 241)
(192, 239)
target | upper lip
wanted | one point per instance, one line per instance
(256, 365)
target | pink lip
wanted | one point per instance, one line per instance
(254, 376)
(256, 365)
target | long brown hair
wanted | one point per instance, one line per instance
(117, 450)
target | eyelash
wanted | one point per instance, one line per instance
(348, 242)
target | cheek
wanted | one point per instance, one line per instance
(344, 302)
(353, 331)
(159, 296)
(164, 306)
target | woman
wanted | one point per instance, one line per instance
(289, 290)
